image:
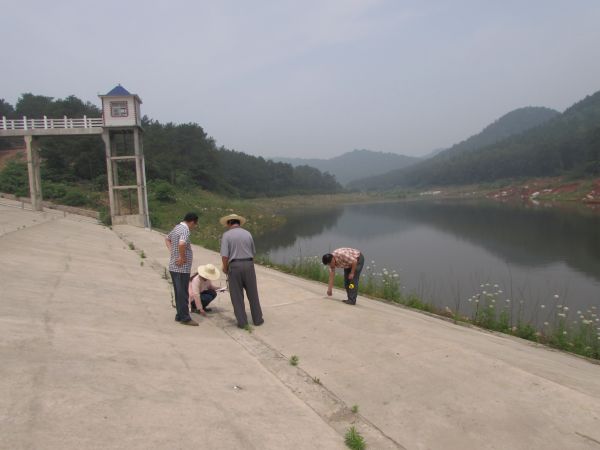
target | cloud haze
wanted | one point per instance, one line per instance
(311, 78)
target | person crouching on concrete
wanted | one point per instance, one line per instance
(201, 289)
(237, 254)
(352, 261)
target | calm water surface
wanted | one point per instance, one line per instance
(444, 251)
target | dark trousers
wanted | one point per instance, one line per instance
(180, 286)
(241, 276)
(205, 298)
(352, 293)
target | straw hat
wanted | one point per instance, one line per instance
(209, 272)
(224, 219)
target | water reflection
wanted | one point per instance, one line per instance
(300, 223)
(516, 235)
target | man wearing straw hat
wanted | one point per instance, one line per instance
(237, 253)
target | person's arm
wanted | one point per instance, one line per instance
(181, 260)
(225, 261)
(331, 278)
(352, 269)
(168, 243)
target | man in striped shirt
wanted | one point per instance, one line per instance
(180, 265)
(352, 261)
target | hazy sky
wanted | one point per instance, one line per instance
(310, 78)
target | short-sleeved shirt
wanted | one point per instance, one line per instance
(345, 257)
(180, 234)
(237, 243)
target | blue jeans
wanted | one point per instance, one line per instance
(353, 292)
(180, 286)
(205, 298)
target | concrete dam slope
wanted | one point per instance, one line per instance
(91, 358)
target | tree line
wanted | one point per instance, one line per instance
(180, 155)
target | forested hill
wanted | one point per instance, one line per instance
(511, 124)
(554, 144)
(355, 164)
(180, 154)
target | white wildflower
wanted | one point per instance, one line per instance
(542, 306)
(555, 295)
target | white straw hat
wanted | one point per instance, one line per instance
(209, 272)
(225, 219)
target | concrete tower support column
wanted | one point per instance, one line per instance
(140, 177)
(109, 172)
(35, 177)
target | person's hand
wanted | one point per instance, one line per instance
(180, 261)
(329, 292)
(351, 276)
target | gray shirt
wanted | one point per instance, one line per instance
(237, 243)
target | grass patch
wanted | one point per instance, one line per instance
(354, 409)
(294, 360)
(354, 440)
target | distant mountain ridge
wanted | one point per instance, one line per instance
(355, 164)
(506, 148)
(510, 124)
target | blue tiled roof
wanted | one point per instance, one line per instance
(119, 90)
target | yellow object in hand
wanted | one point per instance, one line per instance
(351, 286)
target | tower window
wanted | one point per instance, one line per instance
(118, 109)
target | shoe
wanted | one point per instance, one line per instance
(258, 324)
(190, 322)
(348, 302)
(208, 309)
